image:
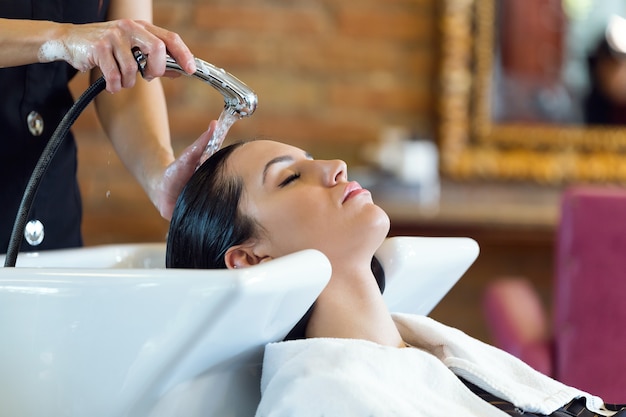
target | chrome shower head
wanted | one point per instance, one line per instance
(239, 99)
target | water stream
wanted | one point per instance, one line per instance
(224, 123)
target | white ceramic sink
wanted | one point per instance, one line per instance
(108, 331)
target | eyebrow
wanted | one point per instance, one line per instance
(278, 159)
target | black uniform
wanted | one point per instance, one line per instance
(33, 100)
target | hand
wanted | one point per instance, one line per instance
(178, 173)
(108, 46)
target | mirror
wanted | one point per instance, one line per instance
(482, 135)
(559, 62)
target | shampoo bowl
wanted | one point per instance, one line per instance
(108, 331)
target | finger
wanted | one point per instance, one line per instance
(204, 139)
(195, 150)
(154, 51)
(116, 60)
(179, 172)
(127, 65)
(110, 71)
(176, 48)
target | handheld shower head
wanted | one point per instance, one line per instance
(239, 99)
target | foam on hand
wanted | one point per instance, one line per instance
(53, 51)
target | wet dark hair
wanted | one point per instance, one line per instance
(207, 221)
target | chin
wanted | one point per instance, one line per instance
(381, 222)
(376, 230)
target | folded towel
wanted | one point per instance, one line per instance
(347, 377)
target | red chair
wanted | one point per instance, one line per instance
(583, 344)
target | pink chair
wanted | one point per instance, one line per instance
(583, 344)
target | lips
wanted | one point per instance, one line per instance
(352, 189)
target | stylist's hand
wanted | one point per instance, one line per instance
(178, 173)
(108, 45)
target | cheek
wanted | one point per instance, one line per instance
(315, 223)
(293, 230)
(297, 225)
(334, 234)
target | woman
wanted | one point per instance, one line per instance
(256, 201)
(43, 44)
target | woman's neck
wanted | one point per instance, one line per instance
(351, 306)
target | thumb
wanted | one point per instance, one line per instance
(197, 148)
(193, 154)
(208, 147)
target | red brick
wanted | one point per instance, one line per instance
(260, 18)
(382, 22)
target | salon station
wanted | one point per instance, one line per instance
(467, 120)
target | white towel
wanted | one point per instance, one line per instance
(346, 377)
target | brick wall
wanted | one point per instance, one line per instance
(330, 75)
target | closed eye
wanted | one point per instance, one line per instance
(289, 179)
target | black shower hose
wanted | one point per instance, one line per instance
(42, 165)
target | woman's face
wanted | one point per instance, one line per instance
(303, 203)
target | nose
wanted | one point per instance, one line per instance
(334, 171)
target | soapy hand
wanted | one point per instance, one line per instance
(108, 46)
(178, 173)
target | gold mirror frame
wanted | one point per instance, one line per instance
(473, 147)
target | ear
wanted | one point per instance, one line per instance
(243, 256)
